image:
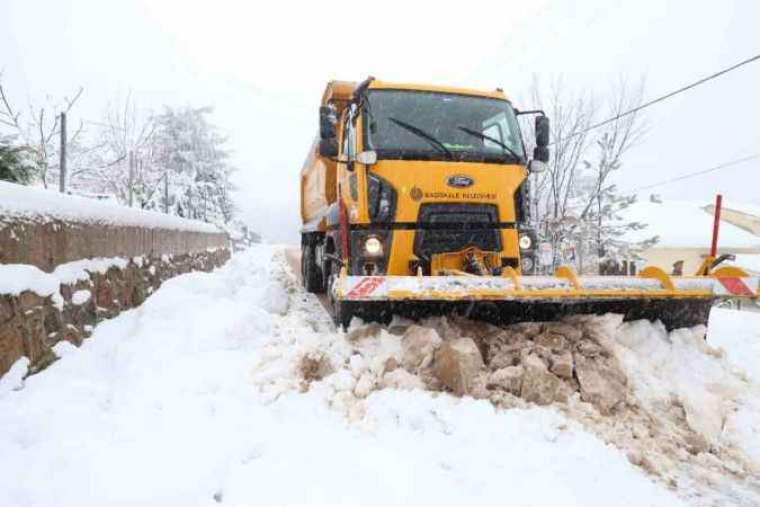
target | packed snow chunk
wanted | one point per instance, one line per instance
(538, 385)
(418, 345)
(365, 385)
(80, 297)
(601, 382)
(402, 379)
(509, 379)
(13, 379)
(275, 299)
(456, 364)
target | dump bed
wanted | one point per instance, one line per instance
(319, 174)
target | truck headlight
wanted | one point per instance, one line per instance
(526, 263)
(373, 246)
(525, 242)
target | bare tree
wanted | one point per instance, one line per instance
(575, 204)
(552, 191)
(125, 129)
(38, 130)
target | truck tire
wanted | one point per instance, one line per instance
(339, 312)
(311, 273)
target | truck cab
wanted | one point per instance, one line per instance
(408, 179)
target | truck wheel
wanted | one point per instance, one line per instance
(312, 275)
(340, 312)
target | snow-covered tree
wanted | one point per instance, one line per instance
(15, 164)
(191, 152)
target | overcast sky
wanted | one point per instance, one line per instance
(264, 70)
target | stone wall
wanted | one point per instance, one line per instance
(30, 324)
(49, 244)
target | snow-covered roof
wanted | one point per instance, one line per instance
(744, 207)
(684, 224)
(31, 204)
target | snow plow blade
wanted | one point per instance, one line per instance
(653, 295)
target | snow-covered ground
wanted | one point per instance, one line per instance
(198, 398)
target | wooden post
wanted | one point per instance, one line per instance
(131, 177)
(62, 176)
(716, 226)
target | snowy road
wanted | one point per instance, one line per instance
(195, 398)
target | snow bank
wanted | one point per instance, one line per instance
(738, 333)
(17, 278)
(682, 224)
(681, 367)
(198, 398)
(30, 204)
(14, 378)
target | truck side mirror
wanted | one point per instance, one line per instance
(327, 121)
(328, 147)
(542, 131)
(541, 153)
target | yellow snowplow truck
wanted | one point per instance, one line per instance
(413, 203)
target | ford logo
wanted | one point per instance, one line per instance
(460, 181)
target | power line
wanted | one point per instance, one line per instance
(697, 173)
(666, 96)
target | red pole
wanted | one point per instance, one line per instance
(716, 226)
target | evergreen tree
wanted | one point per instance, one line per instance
(15, 165)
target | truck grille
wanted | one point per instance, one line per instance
(451, 227)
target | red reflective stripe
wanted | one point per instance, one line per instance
(736, 286)
(365, 287)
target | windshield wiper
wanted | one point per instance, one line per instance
(489, 138)
(421, 133)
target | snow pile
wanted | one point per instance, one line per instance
(20, 203)
(207, 394)
(681, 366)
(673, 404)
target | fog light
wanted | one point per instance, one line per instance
(525, 242)
(527, 264)
(373, 246)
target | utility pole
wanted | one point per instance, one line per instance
(166, 192)
(62, 180)
(131, 176)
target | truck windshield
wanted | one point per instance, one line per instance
(441, 126)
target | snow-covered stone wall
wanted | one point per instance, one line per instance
(67, 263)
(46, 229)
